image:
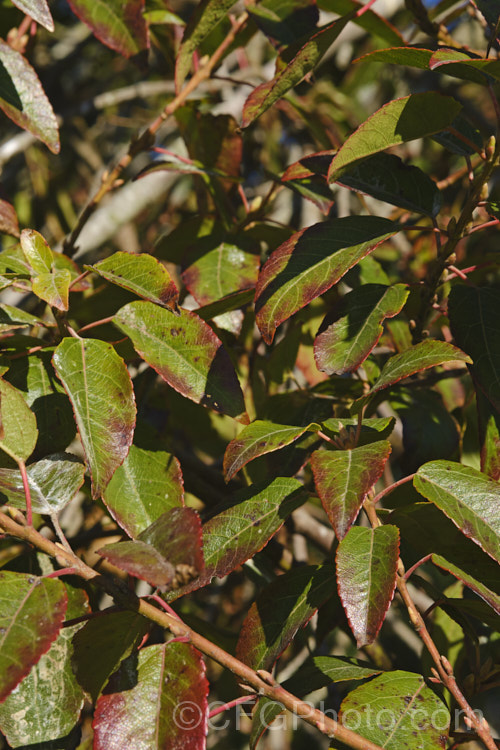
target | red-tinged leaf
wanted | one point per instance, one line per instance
(119, 24)
(310, 263)
(284, 606)
(259, 438)
(23, 99)
(292, 66)
(355, 326)
(489, 596)
(48, 282)
(100, 390)
(408, 713)
(397, 122)
(458, 64)
(468, 497)
(314, 189)
(157, 698)
(343, 478)
(18, 431)
(367, 561)
(142, 274)
(140, 560)
(9, 222)
(31, 613)
(414, 57)
(145, 486)
(38, 10)
(369, 20)
(310, 165)
(186, 353)
(226, 269)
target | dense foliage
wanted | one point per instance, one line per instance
(249, 374)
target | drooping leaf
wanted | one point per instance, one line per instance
(162, 16)
(311, 262)
(147, 484)
(468, 497)
(367, 562)
(13, 317)
(489, 596)
(38, 10)
(142, 274)
(369, 20)
(119, 24)
(9, 223)
(320, 671)
(294, 63)
(343, 478)
(186, 353)
(457, 63)
(18, 432)
(31, 613)
(99, 387)
(48, 282)
(226, 269)
(309, 166)
(399, 121)
(283, 607)
(23, 99)
(147, 699)
(355, 326)
(287, 20)
(470, 139)
(259, 438)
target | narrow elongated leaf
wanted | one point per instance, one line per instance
(99, 387)
(320, 671)
(393, 709)
(31, 613)
(368, 20)
(356, 326)
(344, 477)
(147, 484)
(489, 596)
(23, 99)
(291, 67)
(399, 121)
(286, 605)
(468, 497)
(311, 262)
(259, 438)
(226, 269)
(118, 24)
(142, 274)
(38, 10)
(470, 142)
(186, 353)
(48, 282)
(455, 62)
(18, 432)
(159, 696)
(54, 481)
(13, 317)
(367, 562)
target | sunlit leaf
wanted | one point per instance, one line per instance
(48, 282)
(38, 10)
(457, 63)
(54, 482)
(118, 24)
(18, 431)
(14, 317)
(226, 269)
(368, 20)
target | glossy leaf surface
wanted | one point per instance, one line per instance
(142, 274)
(53, 481)
(49, 282)
(119, 25)
(38, 10)
(18, 431)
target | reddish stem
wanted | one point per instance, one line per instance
(391, 487)
(365, 7)
(62, 572)
(413, 568)
(230, 704)
(163, 604)
(27, 493)
(96, 323)
(487, 224)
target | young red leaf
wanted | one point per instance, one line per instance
(38, 10)
(310, 263)
(119, 24)
(9, 222)
(367, 561)
(344, 477)
(100, 390)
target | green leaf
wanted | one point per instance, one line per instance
(367, 561)
(141, 274)
(38, 10)
(23, 99)
(344, 477)
(393, 709)
(119, 24)
(100, 390)
(162, 17)
(469, 498)
(479, 588)
(12, 318)
(54, 482)
(448, 139)
(457, 63)
(147, 484)
(369, 21)
(310, 262)
(31, 613)
(321, 671)
(287, 20)
(294, 63)
(226, 269)
(372, 429)
(48, 282)
(186, 353)
(18, 432)
(489, 435)
(355, 326)
(259, 438)
(399, 121)
(150, 698)
(283, 607)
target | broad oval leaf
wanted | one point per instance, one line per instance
(158, 696)
(367, 561)
(23, 99)
(343, 478)
(100, 390)
(399, 121)
(355, 326)
(310, 262)
(31, 614)
(227, 269)
(38, 10)
(142, 274)
(140, 560)
(468, 497)
(186, 353)
(48, 282)
(18, 432)
(119, 24)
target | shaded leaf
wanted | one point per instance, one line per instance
(369, 20)
(186, 353)
(490, 11)
(100, 390)
(320, 671)
(287, 20)
(399, 121)
(146, 697)
(488, 419)
(367, 562)
(14, 317)
(310, 165)
(31, 615)
(48, 282)
(355, 326)
(470, 141)
(54, 482)
(315, 189)
(457, 63)
(226, 304)
(119, 24)
(226, 269)
(310, 262)
(478, 587)
(344, 477)
(38, 10)
(372, 429)
(18, 432)
(468, 497)
(9, 222)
